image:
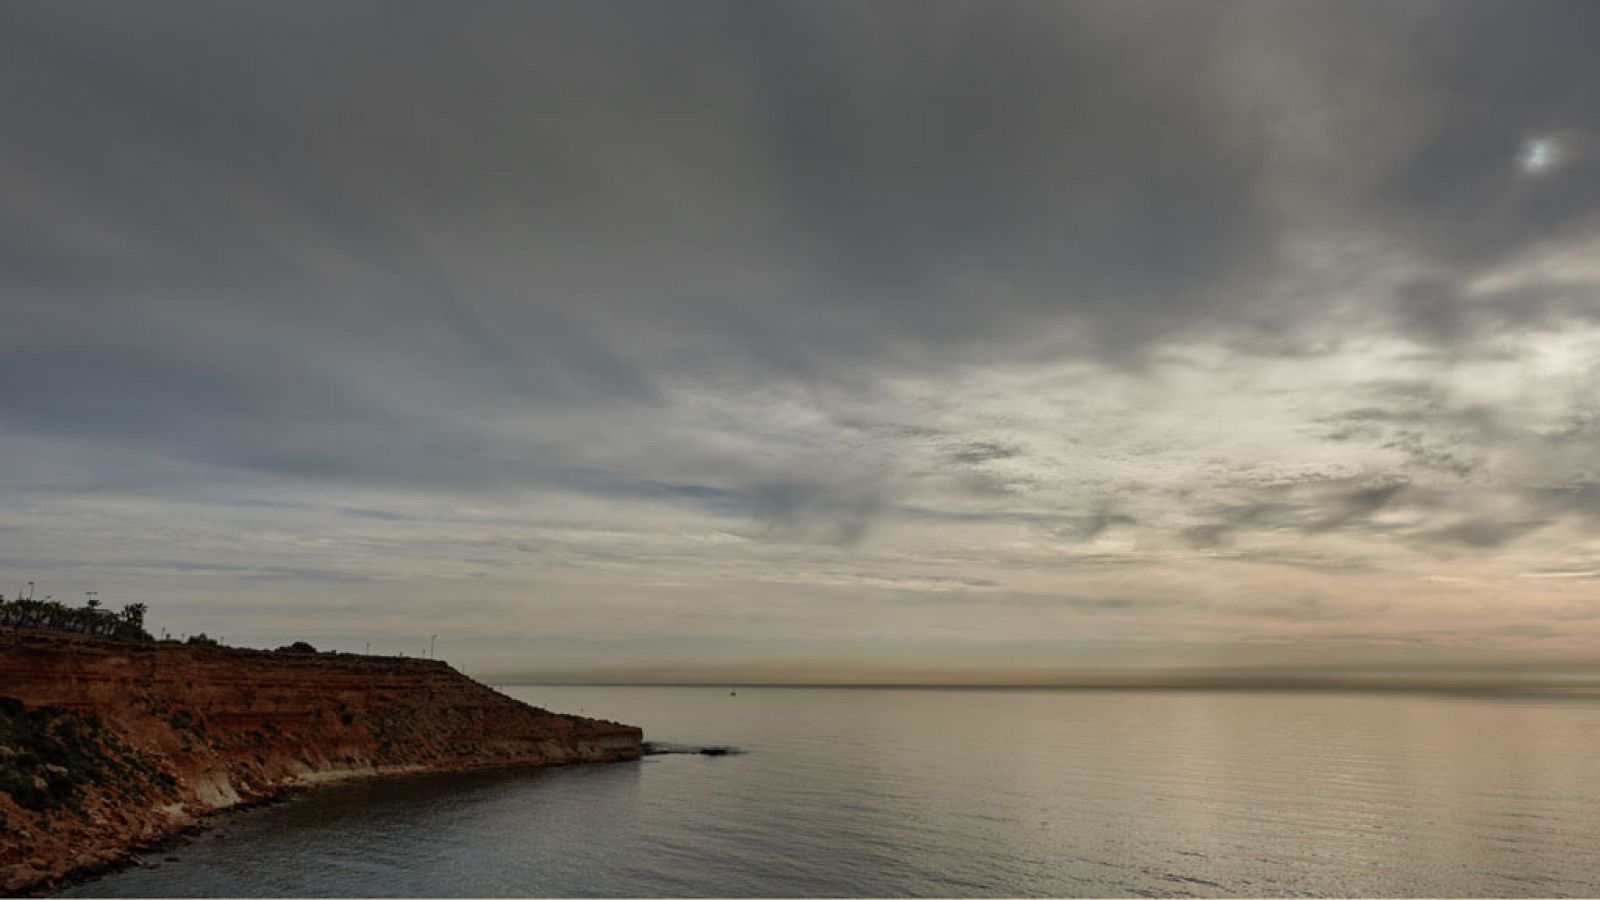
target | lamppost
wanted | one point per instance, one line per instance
(430, 645)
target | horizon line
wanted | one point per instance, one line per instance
(1457, 685)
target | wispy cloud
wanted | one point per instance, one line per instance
(1106, 326)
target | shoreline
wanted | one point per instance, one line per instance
(107, 748)
(218, 818)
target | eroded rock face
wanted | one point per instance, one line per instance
(106, 747)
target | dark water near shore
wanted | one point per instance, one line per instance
(860, 792)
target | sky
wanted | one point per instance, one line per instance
(833, 341)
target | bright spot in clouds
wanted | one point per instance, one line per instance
(1538, 155)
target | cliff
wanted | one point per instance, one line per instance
(106, 747)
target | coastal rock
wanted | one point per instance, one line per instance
(112, 747)
(15, 879)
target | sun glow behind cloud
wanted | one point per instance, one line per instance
(1539, 155)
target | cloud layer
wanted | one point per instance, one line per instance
(846, 338)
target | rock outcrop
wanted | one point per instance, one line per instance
(107, 747)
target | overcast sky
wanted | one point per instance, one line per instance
(825, 341)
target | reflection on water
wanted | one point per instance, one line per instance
(858, 792)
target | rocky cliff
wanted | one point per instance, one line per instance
(106, 747)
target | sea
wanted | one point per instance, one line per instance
(913, 792)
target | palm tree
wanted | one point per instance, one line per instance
(133, 614)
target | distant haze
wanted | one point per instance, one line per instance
(1002, 342)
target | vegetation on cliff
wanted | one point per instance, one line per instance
(90, 619)
(49, 758)
(74, 795)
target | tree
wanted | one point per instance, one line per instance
(89, 619)
(297, 647)
(133, 614)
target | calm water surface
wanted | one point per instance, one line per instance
(865, 792)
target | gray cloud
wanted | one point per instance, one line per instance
(1229, 521)
(1360, 504)
(984, 451)
(800, 511)
(1095, 524)
(1028, 288)
(1481, 533)
(567, 204)
(1440, 313)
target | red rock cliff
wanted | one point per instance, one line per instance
(114, 745)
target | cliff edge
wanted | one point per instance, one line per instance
(106, 747)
